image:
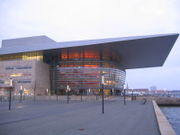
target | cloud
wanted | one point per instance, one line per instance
(91, 19)
(69, 19)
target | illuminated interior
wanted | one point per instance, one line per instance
(32, 56)
(82, 67)
(85, 78)
(23, 56)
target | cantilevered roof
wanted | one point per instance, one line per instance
(135, 52)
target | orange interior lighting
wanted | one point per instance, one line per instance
(93, 66)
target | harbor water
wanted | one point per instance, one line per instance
(173, 116)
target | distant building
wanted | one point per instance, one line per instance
(141, 91)
(174, 93)
(39, 64)
(153, 88)
(158, 92)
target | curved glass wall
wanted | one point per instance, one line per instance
(82, 67)
(89, 78)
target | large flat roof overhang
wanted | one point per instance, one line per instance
(149, 52)
(135, 52)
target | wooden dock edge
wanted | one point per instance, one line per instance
(164, 126)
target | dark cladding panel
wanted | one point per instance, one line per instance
(143, 53)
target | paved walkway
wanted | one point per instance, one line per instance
(52, 118)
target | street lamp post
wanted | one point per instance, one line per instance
(21, 91)
(24, 94)
(132, 95)
(113, 92)
(89, 91)
(81, 95)
(10, 92)
(1, 99)
(102, 92)
(124, 95)
(34, 96)
(68, 90)
(47, 91)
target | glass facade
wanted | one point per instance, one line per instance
(81, 68)
(89, 53)
(23, 56)
(86, 77)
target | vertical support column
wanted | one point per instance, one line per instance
(132, 96)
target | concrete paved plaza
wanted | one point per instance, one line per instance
(83, 118)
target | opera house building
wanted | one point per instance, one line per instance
(39, 65)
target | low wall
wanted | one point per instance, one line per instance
(164, 125)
